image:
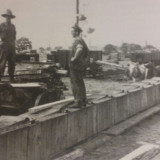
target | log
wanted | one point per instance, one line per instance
(38, 71)
(50, 105)
(63, 72)
(25, 85)
(110, 64)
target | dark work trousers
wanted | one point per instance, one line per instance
(7, 53)
(78, 86)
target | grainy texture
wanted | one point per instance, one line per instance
(52, 134)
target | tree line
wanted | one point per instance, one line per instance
(127, 48)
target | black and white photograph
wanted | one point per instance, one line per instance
(79, 80)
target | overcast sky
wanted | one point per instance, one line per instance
(47, 22)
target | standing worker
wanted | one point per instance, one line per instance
(78, 64)
(7, 48)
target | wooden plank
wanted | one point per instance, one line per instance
(63, 72)
(35, 146)
(48, 137)
(3, 147)
(157, 86)
(120, 112)
(154, 95)
(129, 105)
(61, 135)
(77, 153)
(49, 105)
(38, 71)
(52, 104)
(138, 106)
(122, 127)
(25, 85)
(110, 64)
(139, 151)
(144, 100)
(53, 110)
(10, 123)
(105, 114)
(92, 128)
(17, 144)
(150, 97)
(135, 97)
(77, 127)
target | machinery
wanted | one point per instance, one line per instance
(145, 57)
(34, 86)
(62, 57)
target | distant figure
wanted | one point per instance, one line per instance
(7, 52)
(138, 71)
(151, 69)
(157, 71)
(78, 64)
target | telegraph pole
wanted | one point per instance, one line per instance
(77, 11)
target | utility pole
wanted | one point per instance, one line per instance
(77, 11)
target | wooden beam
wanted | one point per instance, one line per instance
(25, 85)
(38, 71)
(63, 72)
(49, 105)
(110, 64)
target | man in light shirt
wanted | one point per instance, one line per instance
(78, 64)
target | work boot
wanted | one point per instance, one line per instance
(78, 105)
(74, 105)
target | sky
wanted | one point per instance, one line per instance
(48, 22)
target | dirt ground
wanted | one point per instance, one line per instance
(101, 86)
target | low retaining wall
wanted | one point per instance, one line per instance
(53, 134)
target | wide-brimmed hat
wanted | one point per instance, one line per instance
(77, 28)
(8, 14)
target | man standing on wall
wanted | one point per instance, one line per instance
(78, 63)
(7, 48)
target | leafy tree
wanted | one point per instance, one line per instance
(23, 44)
(150, 48)
(109, 48)
(127, 48)
(41, 50)
(48, 48)
(124, 48)
(58, 48)
(134, 47)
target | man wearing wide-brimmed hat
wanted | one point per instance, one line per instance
(78, 63)
(7, 52)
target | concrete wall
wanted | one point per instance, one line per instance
(53, 134)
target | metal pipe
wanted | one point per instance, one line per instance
(77, 11)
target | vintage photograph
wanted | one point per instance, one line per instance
(79, 80)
